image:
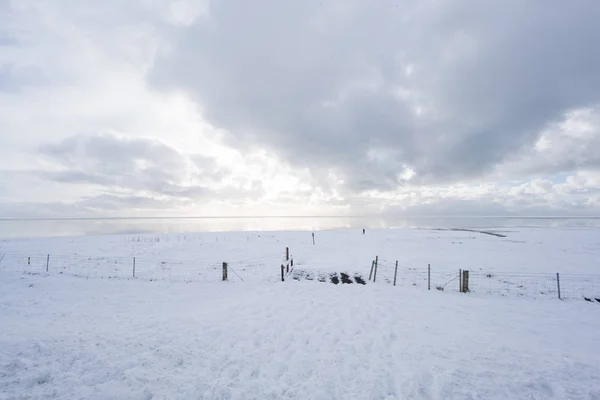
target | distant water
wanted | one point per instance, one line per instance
(15, 228)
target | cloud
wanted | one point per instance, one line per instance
(310, 107)
(102, 205)
(13, 78)
(141, 164)
(142, 173)
(444, 88)
(108, 202)
(571, 144)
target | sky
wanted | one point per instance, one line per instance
(302, 107)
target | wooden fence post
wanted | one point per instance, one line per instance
(428, 276)
(460, 280)
(224, 271)
(28, 260)
(47, 262)
(134, 267)
(282, 272)
(465, 282)
(395, 272)
(558, 284)
(375, 273)
(287, 258)
(372, 267)
(313, 238)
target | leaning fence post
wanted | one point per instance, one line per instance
(395, 272)
(282, 272)
(224, 271)
(428, 276)
(558, 284)
(47, 262)
(372, 267)
(134, 267)
(375, 273)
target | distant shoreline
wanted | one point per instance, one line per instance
(88, 226)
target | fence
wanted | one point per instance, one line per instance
(536, 285)
(259, 268)
(267, 268)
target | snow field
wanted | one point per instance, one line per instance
(524, 263)
(70, 338)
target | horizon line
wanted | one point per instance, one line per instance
(295, 217)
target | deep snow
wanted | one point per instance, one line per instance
(69, 337)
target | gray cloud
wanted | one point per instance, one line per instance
(140, 173)
(102, 205)
(524, 206)
(322, 83)
(14, 209)
(128, 163)
(109, 202)
(570, 146)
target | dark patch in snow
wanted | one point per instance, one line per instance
(483, 232)
(472, 230)
(334, 278)
(345, 278)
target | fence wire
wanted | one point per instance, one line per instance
(259, 268)
(534, 285)
(572, 286)
(267, 267)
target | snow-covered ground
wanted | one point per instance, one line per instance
(177, 331)
(524, 263)
(70, 338)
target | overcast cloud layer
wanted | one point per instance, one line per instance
(299, 108)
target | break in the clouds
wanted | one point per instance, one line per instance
(303, 107)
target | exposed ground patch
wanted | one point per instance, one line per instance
(335, 278)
